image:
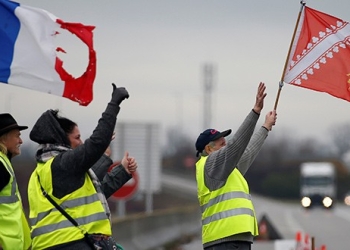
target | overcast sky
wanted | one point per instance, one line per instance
(157, 49)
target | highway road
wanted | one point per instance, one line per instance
(328, 227)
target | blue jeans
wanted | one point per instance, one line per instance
(231, 245)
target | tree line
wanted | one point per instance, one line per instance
(276, 170)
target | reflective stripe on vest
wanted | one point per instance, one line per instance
(70, 203)
(226, 214)
(226, 211)
(49, 226)
(223, 197)
(13, 197)
(14, 228)
(66, 223)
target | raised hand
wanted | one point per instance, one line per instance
(270, 120)
(129, 163)
(119, 94)
(260, 96)
(132, 165)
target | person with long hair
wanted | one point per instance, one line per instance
(14, 228)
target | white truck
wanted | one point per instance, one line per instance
(317, 184)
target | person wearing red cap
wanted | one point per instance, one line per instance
(14, 228)
(228, 216)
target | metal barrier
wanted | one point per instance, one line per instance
(148, 231)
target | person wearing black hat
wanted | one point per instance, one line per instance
(228, 216)
(14, 228)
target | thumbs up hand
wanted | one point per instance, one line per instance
(129, 163)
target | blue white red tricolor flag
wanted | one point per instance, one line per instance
(320, 54)
(28, 54)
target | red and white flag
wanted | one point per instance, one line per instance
(29, 56)
(320, 54)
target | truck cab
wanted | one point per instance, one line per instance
(317, 184)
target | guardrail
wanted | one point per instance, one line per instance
(149, 231)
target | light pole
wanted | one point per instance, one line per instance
(208, 72)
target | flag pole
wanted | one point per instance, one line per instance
(302, 2)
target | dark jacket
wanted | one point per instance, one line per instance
(69, 167)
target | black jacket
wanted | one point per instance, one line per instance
(69, 168)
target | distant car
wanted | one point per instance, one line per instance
(347, 198)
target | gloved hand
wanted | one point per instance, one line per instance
(119, 94)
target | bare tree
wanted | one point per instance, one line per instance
(340, 135)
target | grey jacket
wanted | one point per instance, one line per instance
(240, 151)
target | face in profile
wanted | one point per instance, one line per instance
(219, 143)
(75, 138)
(216, 145)
(12, 141)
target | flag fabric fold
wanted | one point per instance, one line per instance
(320, 54)
(28, 56)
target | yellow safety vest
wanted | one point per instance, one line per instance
(49, 226)
(226, 211)
(14, 228)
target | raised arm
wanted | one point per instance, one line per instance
(222, 162)
(256, 143)
(80, 159)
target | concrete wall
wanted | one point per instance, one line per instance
(149, 231)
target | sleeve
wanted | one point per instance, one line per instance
(69, 168)
(114, 180)
(101, 167)
(252, 150)
(222, 162)
(79, 160)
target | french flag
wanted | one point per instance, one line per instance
(28, 56)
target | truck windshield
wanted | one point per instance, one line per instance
(316, 181)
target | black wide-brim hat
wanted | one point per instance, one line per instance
(8, 123)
